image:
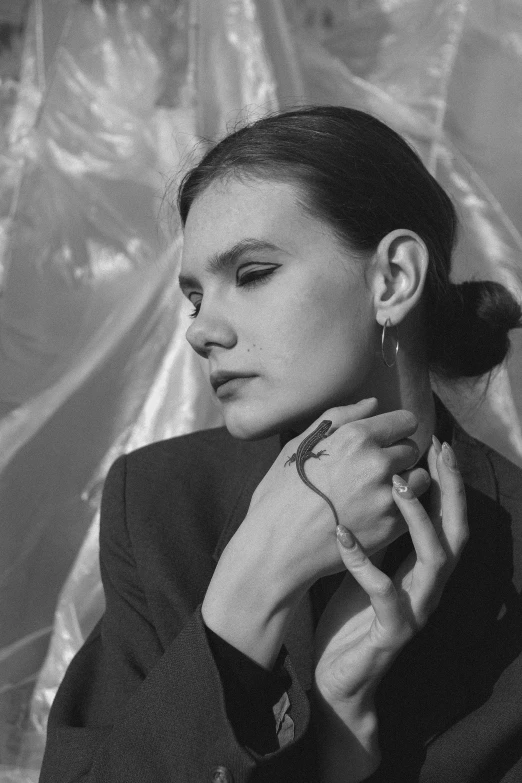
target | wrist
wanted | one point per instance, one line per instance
(247, 606)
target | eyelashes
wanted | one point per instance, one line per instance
(251, 279)
(248, 280)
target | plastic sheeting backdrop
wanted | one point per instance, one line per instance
(108, 104)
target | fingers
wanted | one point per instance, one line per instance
(388, 428)
(379, 587)
(418, 480)
(402, 455)
(429, 550)
(435, 510)
(346, 414)
(337, 417)
(452, 501)
(448, 498)
(384, 429)
(438, 542)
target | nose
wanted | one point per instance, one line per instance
(210, 330)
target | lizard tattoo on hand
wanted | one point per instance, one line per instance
(305, 451)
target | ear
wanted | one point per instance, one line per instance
(400, 264)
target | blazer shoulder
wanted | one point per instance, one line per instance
(496, 494)
(182, 498)
(504, 476)
(196, 479)
(183, 445)
(508, 483)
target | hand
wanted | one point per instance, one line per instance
(371, 617)
(291, 529)
(287, 539)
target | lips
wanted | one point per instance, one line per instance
(220, 377)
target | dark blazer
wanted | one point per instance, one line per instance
(143, 702)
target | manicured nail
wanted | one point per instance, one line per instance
(448, 455)
(345, 537)
(436, 444)
(401, 487)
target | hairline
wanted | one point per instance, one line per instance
(265, 173)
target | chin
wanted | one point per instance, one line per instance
(252, 426)
(247, 423)
(250, 430)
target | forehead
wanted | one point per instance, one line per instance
(228, 212)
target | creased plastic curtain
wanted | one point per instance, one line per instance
(447, 74)
(92, 325)
(94, 356)
(93, 359)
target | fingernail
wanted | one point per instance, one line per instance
(436, 444)
(345, 537)
(401, 487)
(448, 455)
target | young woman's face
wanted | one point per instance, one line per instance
(276, 298)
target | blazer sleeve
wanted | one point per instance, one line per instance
(129, 710)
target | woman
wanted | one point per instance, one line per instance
(248, 635)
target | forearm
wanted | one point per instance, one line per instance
(253, 594)
(347, 741)
(255, 631)
(246, 605)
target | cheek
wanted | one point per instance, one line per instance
(322, 336)
(331, 321)
(297, 330)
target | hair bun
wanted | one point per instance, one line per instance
(469, 334)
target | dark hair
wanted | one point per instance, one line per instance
(364, 180)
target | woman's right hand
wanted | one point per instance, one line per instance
(287, 540)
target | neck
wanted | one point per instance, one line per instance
(400, 387)
(406, 385)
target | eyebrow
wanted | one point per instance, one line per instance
(220, 262)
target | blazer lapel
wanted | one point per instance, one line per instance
(428, 687)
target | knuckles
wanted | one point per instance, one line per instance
(360, 428)
(335, 413)
(356, 434)
(409, 420)
(406, 630)
(378, 465)
(438, 560)
(384, 587)
(418, 479)
(383, 501)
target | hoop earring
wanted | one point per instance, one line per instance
(386, 326)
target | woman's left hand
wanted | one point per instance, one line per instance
(371, 617)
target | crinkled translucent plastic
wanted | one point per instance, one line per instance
(111, 100)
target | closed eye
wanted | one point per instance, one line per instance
(255, 277)
(247, 280)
